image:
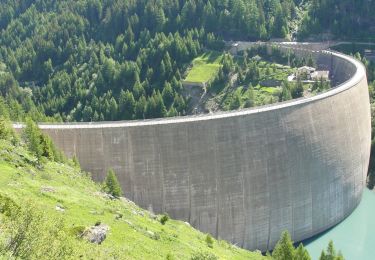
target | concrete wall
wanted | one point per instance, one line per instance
(243, 176)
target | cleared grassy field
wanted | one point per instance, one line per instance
(205, 67)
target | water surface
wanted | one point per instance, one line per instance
(354, 237)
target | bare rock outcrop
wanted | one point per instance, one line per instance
(96, 234)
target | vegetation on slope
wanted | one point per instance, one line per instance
(205, 67)
(344, 19)
(256, 77)
(49, 207)
(61, 201)
(92, 60)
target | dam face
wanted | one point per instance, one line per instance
(243, 176)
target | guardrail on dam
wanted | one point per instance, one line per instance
(243, 176)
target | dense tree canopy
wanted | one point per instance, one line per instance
(343, 18)
(91, 60)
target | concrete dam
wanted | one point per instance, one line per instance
(243, 176)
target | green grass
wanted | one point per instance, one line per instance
(84, 206)
(205, 67)
(269, 90)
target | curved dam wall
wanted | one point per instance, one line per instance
(243, 176)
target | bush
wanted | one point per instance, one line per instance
(7, 206)
(76, 162)
(112, 185)
(169, 256)
(203, 256)
(6, 130)
(77, 231)
(164, 219)
(29, 233)
(209, 241)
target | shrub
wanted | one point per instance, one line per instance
(29, 233)
(164, 219)
(76, 162)
(203, 256)
(6, 130)
(169, 256)
(209, 241)
(77, 231)
(112, 185)
(7, 206)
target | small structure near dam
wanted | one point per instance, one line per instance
(243, 176)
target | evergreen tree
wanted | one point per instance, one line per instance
(301, 253)
(40, 144)
(112, 185)
(285, 93)
(168, 94)
(297, 90)
(250, 99)
(284, 249)
(126, 104)
(330, 253)
(236, 101)
(32, 137)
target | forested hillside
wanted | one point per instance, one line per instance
(92, 60)
(345, 19)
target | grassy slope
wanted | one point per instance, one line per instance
(205, 67)
(84, 207)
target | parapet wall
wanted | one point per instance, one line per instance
(243, 176)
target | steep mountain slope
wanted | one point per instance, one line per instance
(343, 19)
(66, 199)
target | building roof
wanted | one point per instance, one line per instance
(306, 68)
(320, 74)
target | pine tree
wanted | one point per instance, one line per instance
(112, 185)
(126, 105)
(330, 253)
(301, 253)
(32, 137)
(250, 100)
(284, 249)
(140, 108)
(236, 101)
(285, 93)
(297, 91)
(167, 94)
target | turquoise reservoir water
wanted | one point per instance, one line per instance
(355, 236)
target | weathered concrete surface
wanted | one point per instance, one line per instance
(243, 176)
